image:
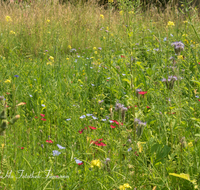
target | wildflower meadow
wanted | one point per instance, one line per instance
(99, 98)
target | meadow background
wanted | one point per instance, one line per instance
(95, 98)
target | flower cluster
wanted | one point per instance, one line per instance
(178, 47)
(139, 126)
(170, 81)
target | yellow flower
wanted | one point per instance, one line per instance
(185, 35)
(2, 145)
(101, 108)
(180, 57)
(8, 19)
(170, 23)
(91, 57)
(96, 163)
(67, 58)
(7, 81)
(94, 48)
(12, 32)
(104, 38)
(186, 41)
(110, 1)
(140, 147)
(102, 16)
(123, 187)
(51, 58)
(48, 21)
(121, 12)
(185, 21)
(49, 63)
(95, 52)
(70, 47)
(131, 12)
(190, 144)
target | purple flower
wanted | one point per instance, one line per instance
(178, 47)
(16, 76)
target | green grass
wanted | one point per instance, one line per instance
(116, 54)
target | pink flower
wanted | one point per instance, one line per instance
(49, 141)
(43, 119)
(148, 107)
(112, 126)
(42, 115)
(22, 148)
(92, 127)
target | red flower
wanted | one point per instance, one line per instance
(136, 153)
(98, 142)
(123, 56)
(22, 148)
(42, 115)
(148, 107)
(114, 121)
(142, 92)
(49, 141)
(107, 80)
(199, 63)
(36, 117)
(112, 126)
(92, 127)
(43, 119)
(8, 93)
(199, 100)
(81, 131)
(80, 163)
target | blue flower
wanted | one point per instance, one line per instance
(56, 153)
(16, 76)
(165, 39)
(83, 116)
(60, 147)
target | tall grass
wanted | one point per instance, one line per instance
(67, 61)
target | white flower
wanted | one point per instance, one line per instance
(108, 78)
(94, 117)
(60, 147)
(30, 95)
(123, 74)
(103, 120)
(89, 114)
(92, 84)
(43, 105)
(78, 161)
(68, 119)
(111, 121)
(56, 153)
(83, 116)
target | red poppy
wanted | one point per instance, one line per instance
(112, 126)
(36, 117)
(148, 107)
(42, 115)
(43, 119)
(92, 127)
(199, 100)
(136, 106)
(142, 92)
(80, 163)
(123, 56)
(199, 63)
(114, 121)
(22, 148)
(107, 80)
(98, 142)
(49, 141)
